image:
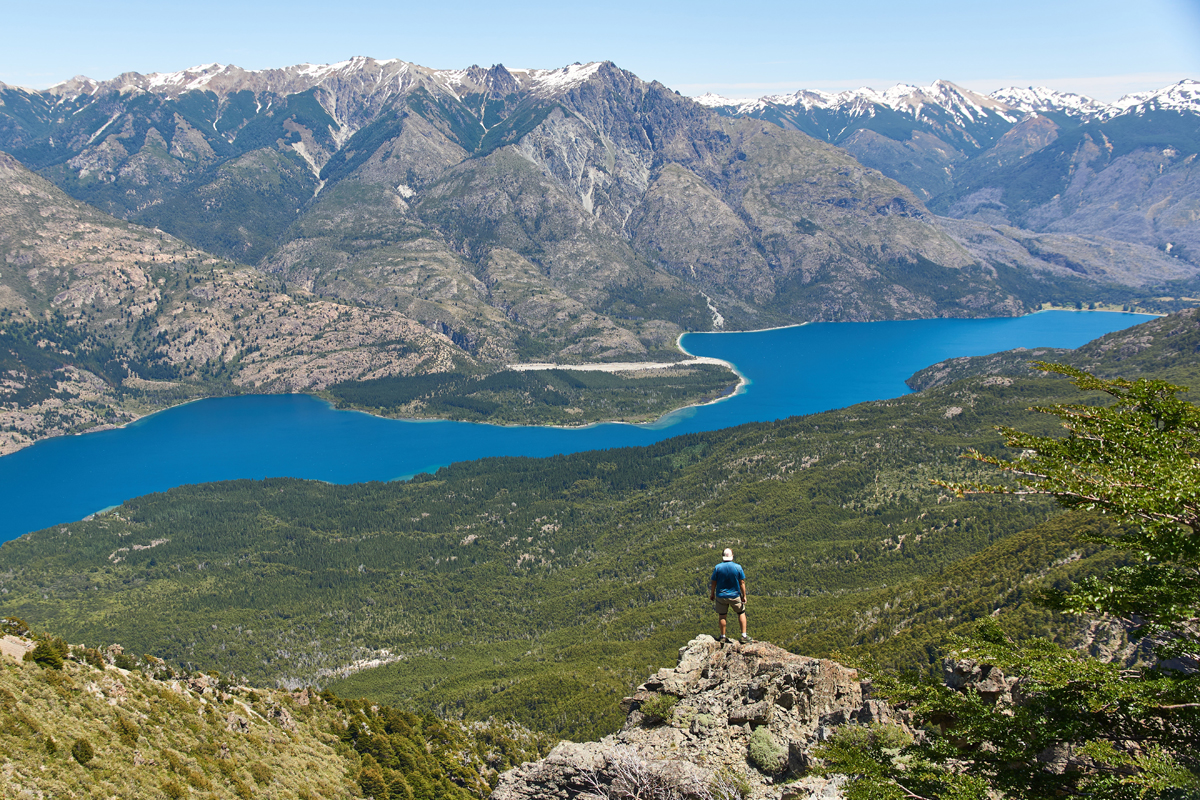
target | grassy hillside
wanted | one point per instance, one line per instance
(82, 726)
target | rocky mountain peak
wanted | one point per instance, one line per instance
(1033, 99)
(747, 712)
(554, 81)
(1182, 96)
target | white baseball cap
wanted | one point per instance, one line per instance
(727, 555)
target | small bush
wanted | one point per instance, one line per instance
(58, 679)
(242, 790)
(125, 661)
(127, 731)
(729, 785)
(82, 751)
(260, 772)
(51, 746)
(13, 626)
(658, 709)
(173, 790)
(198, 780)
(174, 763)
(765, 753)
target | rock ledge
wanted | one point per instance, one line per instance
(726, 715)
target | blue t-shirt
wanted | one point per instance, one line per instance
(728, 575)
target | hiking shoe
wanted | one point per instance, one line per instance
(746, 639)
(724, 640)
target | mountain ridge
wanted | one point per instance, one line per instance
(1181, 96)
(254, 158)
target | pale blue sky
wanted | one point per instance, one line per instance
(1104, 48)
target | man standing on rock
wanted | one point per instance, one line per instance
(727, 589)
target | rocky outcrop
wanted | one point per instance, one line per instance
(728, 720)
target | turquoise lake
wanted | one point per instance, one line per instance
(790, 371)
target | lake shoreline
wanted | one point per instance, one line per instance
(781, 373)
(7, 448)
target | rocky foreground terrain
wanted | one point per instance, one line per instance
(729, 720)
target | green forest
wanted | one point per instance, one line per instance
(541, 397)
(544, 589)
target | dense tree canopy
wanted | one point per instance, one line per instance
(1065, 723)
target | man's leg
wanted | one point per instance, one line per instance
(721, 623)
(741, 621)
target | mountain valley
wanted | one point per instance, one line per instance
(544, 586)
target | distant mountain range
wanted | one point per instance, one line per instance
(456, 194)
(1034, 158)
(1010, 104)
(460, 220)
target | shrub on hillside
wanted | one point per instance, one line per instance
(765, 753)
(658, 709)
(48, 653)
(13, 626)
(82, 751)
(261, 773)
(94, 657)
(125, 661)
(126, 730)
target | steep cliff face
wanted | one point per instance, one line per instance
(727, 718)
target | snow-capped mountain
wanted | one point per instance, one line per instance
(1039, 99)
(1182, 96)
(963, 104)
(268, 166)
(387, 75)
(366, 178)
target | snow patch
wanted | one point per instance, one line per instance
(548, 81)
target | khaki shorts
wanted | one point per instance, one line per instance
(725, 604)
